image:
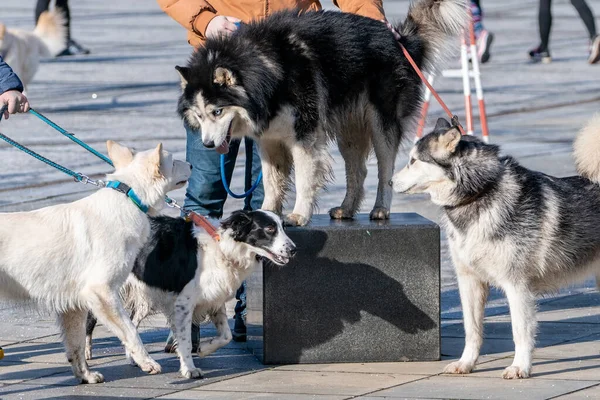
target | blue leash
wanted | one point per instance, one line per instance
(116, 185)
(226, 185)
(71, 136)
(77, 176)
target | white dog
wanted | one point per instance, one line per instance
(22, 49)
(69, 258)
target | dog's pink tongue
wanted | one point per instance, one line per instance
(223, 148)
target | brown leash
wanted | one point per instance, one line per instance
(203, 223)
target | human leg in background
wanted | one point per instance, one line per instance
(542, 52)
(252, 202)
(587, 16)
(483, 36)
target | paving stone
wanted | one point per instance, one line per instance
(98, 392)
(585, 348)
(402, 368)
(20, 372)
(585, 394)
(357, 291)
(212, 395)
(324, 383)
(25, 324)
(574, 368)
(547, 331)
(120, 374)
(460, 387)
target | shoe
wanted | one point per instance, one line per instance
(484, 42)
(594, 50)
(171, 345)
(239, 329)
(536, 55)
(73, 49)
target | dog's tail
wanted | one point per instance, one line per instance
(52, 31)
(586, 150)
(429, 29)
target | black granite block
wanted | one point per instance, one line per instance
(357, 291)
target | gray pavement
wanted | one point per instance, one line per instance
(534, 113)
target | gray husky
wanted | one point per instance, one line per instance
(295, 81)
(520, 230)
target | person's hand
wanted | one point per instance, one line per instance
(222, 24)
(16, 102)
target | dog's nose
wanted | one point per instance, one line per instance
(191, 167)
(391, 183)
(293, 251)
(209, 145)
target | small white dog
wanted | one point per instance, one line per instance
(186, 275)
(22, 49)
(72, 257)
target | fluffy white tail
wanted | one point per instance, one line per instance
(586, 150)
(437, 23)
(52, 32)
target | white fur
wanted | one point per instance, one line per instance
(23, 49)
(69, 258)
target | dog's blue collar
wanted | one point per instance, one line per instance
(128, 191)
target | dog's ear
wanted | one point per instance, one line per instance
(2, 31)
(240, 223)
(121, 156)
(156, 158)
(442, 125)
(449, 140)
(184, 74)
(224, 77)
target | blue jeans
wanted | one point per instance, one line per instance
(206, 194)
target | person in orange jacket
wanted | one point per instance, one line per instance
(206, 194)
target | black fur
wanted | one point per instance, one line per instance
(345, 54)
(169, 261)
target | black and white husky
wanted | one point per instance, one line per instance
(187, 276)
(295, 81)
(520, 230)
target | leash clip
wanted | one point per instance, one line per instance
(86, 179)
(172, 203)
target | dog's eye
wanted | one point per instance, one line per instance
(270, 229)
(218, 111)
(412, 161)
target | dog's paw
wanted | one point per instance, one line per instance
(195, 373)
(516, 372)
(458, 367)
(150, 366)
(340, 213)
(380, 213)
(92, 377)
(295, 220)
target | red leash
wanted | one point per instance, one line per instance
(197, 219)
(418, 71)
(203, 223)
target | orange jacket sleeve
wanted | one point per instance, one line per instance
(193, 15)
(366, 8)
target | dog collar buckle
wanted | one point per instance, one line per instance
(129, 192)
